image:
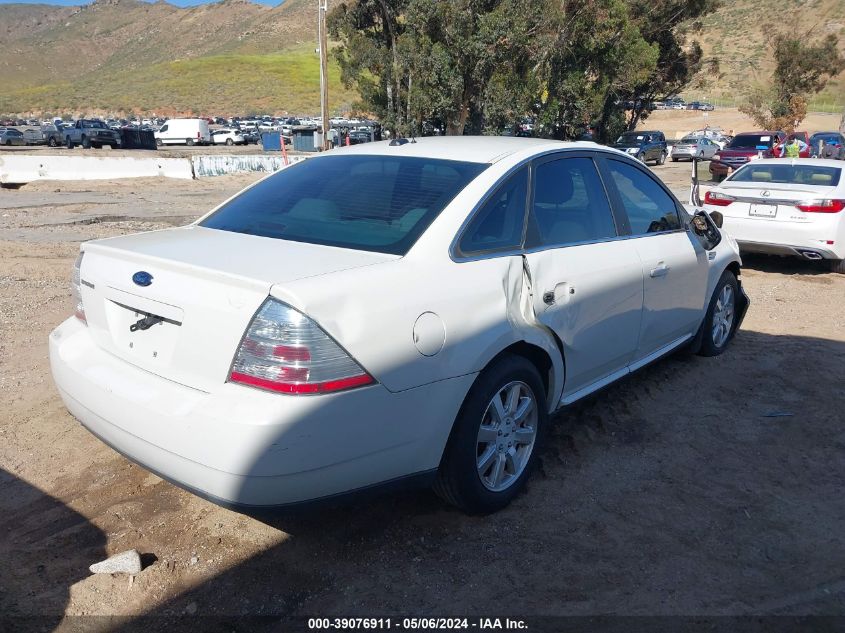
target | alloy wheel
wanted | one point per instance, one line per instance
(723, 316)
(506, 436)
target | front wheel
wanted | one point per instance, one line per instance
(720, 322)
(229, 142)
(189, 142)
(86, 143)
(69, 143)
(52, 142)
(662, 158)
(495, 439)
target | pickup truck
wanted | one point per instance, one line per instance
(744, 147)
(91, 133)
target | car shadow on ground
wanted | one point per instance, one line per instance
(697, 485)
(45, 547)
(785, 265)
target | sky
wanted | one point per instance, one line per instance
(178, 3)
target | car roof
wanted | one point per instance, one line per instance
(475, 149)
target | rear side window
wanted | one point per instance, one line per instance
(370, 203)
(498, 224)
(649, 208)
(570, 204)
(812, 175)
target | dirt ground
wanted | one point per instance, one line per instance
(695, 487)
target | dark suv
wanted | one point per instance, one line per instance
(644, 146)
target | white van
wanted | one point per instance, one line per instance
(184, 132)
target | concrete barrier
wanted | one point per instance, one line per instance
(221, 164)
(21, 169)
(27, 168)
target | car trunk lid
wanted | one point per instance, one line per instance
(185, 322)
(759, 199)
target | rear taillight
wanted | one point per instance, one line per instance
(76, 290)
(718, 199)
(822, 206)
(283, 350)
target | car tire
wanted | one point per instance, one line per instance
(158, 142)
(674, 160)
(189, 142)
(837, 266)
(96, 145)
(52, 142)
(69, 143)
(720, 321)
(229, 142)
(484, 469)
(662, 159)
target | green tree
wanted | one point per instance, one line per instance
(478, 66)
(800, 70)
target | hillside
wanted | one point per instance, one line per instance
(737, 35)
(236, 56)
(230, 56)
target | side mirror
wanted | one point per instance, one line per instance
(706, 230)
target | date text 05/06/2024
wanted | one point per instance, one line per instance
(417, 624)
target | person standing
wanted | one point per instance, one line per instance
(792, 148)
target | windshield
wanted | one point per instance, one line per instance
(321, 201)
(809, 175)
(630, 139)
(94, 124)
(752, 141)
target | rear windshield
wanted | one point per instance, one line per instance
(827, 138)
(370, 203)
(752, 141)
(691, 140)
(813, 175)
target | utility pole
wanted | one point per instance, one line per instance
(322, 8)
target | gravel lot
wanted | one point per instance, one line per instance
(673, 493)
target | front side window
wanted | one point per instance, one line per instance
(570, 204)
(377, 203)
(498, 224)
(649, 208)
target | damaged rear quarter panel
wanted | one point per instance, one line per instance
(484, 305)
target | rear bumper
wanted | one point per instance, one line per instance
(786, 250)
(245, 447)
(756, 235)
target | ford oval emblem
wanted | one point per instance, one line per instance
(142, 278)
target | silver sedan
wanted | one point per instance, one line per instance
(694, 147)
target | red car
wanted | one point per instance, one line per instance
(742, 148)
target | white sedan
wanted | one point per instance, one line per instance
(307, 338)
(227, 137)
(786, 207)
